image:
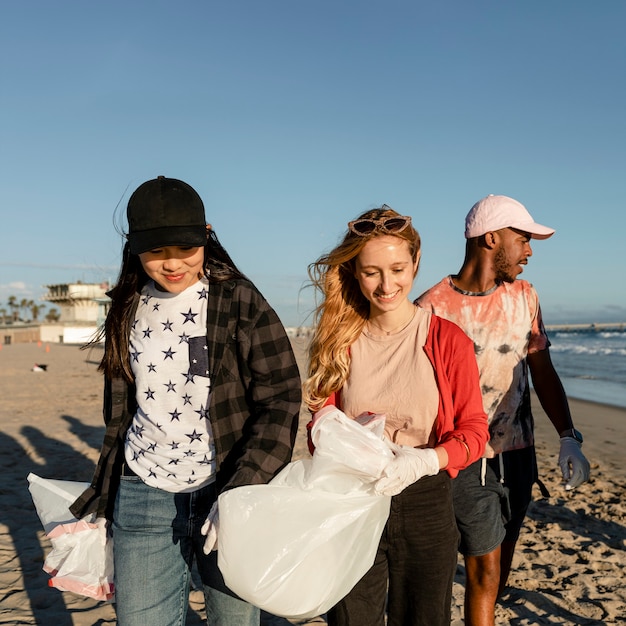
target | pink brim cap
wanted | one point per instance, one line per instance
(497, 212)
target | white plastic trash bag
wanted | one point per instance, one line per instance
(296, 546)
(81, 559)
(52, 499)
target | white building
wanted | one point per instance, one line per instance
(78, 302)
(82, 306)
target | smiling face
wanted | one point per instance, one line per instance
(173, 268)
(511, 254)
(385, 272)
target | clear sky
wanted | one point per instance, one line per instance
(291, 117)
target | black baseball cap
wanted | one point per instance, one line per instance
(165, 212)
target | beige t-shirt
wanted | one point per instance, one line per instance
(391, 374)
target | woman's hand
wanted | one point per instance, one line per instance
(407, 466)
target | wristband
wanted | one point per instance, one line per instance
(572, 432)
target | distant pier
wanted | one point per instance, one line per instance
(618, 327)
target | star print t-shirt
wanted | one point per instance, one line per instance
(505, 324)
(169, 444)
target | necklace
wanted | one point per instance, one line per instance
(396, 329)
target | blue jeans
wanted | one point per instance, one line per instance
(156, 537)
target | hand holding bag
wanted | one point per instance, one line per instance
(296, 546)
(81, 559)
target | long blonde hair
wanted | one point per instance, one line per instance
(343, 311)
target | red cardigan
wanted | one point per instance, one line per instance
(461, 425)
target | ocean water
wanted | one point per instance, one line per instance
(591, 363)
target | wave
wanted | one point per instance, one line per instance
(591, 350)
(588, 334)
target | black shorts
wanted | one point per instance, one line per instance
(489, 513)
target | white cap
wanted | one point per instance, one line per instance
(496, 212)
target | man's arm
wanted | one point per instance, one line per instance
(549, 389)
(574, 466)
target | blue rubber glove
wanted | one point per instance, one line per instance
(574, 466)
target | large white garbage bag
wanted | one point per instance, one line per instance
(296, 546)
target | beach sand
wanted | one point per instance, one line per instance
(569, 567)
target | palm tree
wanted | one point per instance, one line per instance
(25, 306)
(52, 315)
(14, 306)
(3, 315)
(36, 309)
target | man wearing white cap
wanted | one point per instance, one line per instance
(501, 314)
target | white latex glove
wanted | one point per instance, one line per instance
(574, 466)
(209, 529)
(489, 453)
(407, 466)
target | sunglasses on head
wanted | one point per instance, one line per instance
(391, 224)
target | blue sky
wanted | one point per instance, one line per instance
(290, 118)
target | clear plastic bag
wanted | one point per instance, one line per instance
(296, 546)
(81, 559)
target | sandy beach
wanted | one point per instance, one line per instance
(569, 567)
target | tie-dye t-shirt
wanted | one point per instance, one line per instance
(505, 324)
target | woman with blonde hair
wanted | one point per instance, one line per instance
(373, 350)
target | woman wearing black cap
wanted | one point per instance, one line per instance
(202, 394)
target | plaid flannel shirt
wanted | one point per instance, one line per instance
(255, 399)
